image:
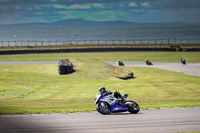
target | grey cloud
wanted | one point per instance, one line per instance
(159, 4)
(174, 4)
(156, 10)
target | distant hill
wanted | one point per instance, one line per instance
(87, 23)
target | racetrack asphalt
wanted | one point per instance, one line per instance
(189, 68)
(146, 121)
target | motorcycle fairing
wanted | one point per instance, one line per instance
(98, 98)
(115, 108)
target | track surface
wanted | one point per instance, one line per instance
(153, 120)
(189, 68)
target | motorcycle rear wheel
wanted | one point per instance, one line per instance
(134, 108)
(103, 108)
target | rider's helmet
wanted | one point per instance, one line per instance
(102, 90)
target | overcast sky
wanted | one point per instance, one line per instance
(23, 11)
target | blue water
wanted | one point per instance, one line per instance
(73, 34)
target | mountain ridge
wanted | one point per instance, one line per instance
(89, 23)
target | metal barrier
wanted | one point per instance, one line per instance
(98, 42)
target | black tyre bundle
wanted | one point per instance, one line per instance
(65, 67)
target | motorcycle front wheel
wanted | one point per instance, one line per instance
(103, 108)
(134, 107)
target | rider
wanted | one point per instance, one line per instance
(102, 91)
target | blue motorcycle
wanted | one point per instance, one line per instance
(108, 103)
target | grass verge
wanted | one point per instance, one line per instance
(39, 89)
(191, 57)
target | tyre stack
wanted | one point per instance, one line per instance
(65, 67)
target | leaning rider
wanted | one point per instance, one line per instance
(102, 91)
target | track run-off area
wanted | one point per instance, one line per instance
(189, 68)
(170, 120)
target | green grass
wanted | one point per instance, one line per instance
(39, 89)
(191, 57)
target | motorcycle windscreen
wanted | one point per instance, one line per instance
(125, 96)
